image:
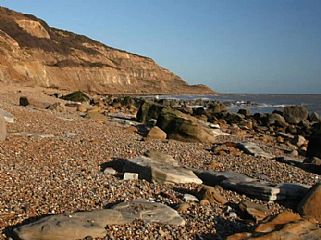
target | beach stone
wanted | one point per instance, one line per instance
(244, 111)
(183, 127)
(96, 116)
(148, 110)
(257, 211)
(160, 170)
(83, 107)
(299, 141)
(156, 133)
(3, 129)
(58, 106)
(277, 119)
(183, 207)
(23, 101)
(92, 224)
(8, 117)
(314, 117)
(149, 212)
(212, 194)
(285, 226)
(110, 171)
(130, 176)
(190, 198)
(310, 206)
(253, 187)
(253, 149)
(295, 114)
(77, 96)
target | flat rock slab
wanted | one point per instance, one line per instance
(149, 212)
(253, 149)
(92, 224)
(160, 170)
(8, 117)
(253, 187)
(3, 129)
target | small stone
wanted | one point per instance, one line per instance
(110, 171)
(130, 176)
(204, 202)
(190, 198)
(183, 207)
(212, 194)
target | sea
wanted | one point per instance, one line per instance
(262, 103)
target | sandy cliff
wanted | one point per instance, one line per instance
(34, 54)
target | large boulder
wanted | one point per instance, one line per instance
(310, 206)
(156, 133)
(183, 127)
(277, 119)
(295, 114)
(148, 110)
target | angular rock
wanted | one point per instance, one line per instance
(161, 170)
(277, 119)
(295, 114)
(156, 133)
(285, 226)
(310, 206)
(257, 211)
(255, 150)
(130, 176)
(8, 117)
(181, 126)
(148, 110)
(212, 194)
(299, 141)
(3, 129)
(92, 224)
(253, 187)
(314, 117)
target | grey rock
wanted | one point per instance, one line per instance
(92, 224)
(8, 117)
(162, 169)
(190, 198)
(110, 171)
(149, 212)
(253, 187)
(255, 150)
(295, 114)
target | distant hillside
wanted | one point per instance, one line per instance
(34, 54)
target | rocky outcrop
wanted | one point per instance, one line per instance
(34, 54)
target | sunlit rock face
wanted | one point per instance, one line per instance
(34, 54)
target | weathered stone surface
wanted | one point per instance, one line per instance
(161, 170)
(148, 111)
(277, 120)
(212, 194)
(253, 149)
(314, 117)
(156, 133)
(64, 60)
(3, 129)
(299, 141)
(285, 226)
(92, 224)
(257, 211)
(181, 126)
(76, 97)
(310, 206)
(253, 187)
(8, 117)
(130, 176)
(149, 212)
(71, 226)
(295, 114)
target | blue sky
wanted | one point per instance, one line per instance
(240, 46)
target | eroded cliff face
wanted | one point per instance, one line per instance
(34, 54)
